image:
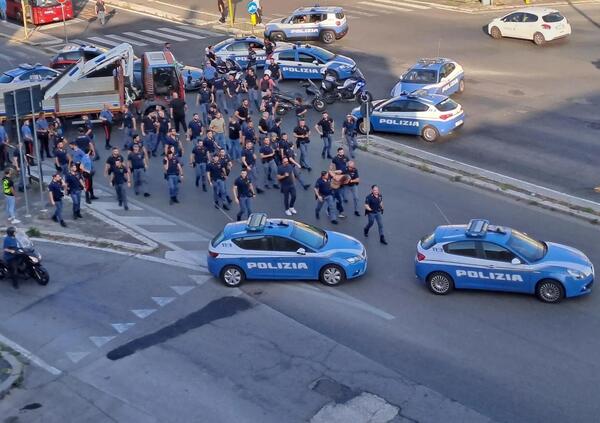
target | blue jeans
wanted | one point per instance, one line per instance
(139, 179)
(121, 190)
(266, 168)
(298, 175)
(76, 198)
(375, 217)
(232, 103)
(304, 154)
(10, 206)
(351, 140)
(220, 100)
(254, 96)
(252, 174)
(151, 141)
(354, 191)
(219, 191)
(245, 207)
(58, 207)
(326, 145)
(204, 113)
(201, 173)
(328, 199)
(235, 149)
(173, 181)
(220, 137)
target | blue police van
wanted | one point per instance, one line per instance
(282, 249)
(496, 258)
(426, 115)
(434, 76)
(305, 61)
(326, 24)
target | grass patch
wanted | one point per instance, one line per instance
(33, 232)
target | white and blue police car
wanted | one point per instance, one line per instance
(26, 73)
(435, 76)
(495, 258)
(305, 61)
(427, 115)
(309, 23)
(237, 48)
(281, 249)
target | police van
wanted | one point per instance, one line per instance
(282, 249)
(305, 61)
(309, 23)
(495, 258)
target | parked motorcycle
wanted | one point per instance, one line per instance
(353, 88)
(29, 262)
(285, 101)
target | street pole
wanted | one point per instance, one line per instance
(64, 23)
(230, 14)
(368, 119)
(21, 155)
(24, 13)
(37, 149)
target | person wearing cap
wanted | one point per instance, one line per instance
(56, 193)
(324, 194)
(349, 133)
(75, 184)
(204, 98)
(302, 134)
(326, 127)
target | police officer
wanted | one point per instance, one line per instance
(301, 109)
(269, 168)
(252, 87)
(302, 134)
(226, 165)
(195, 128)
(150, 132)
(219, 93)
(324, 195)
(204, 99)
(61, 158)
(243, 191)
(349, 133)
(216, 179)
(106, 116)
(268, 102)
(138, 164)
(42, 130)
(178, 108)
(128, 123)
(374, 211)
(243, 112)
(340, 161)
(199, 160)
(173, 140)
(173, 175)
(251, 58)
(290, 154)
(56, 194)
(10, 256)
(75, 185)
(164, 125)
(249, 163)
(232, 88)
(274, 69)
(353, 183)
(249, 133)
(120, 178)
(235, 147)
(326, 127)
(286, 178)
(111, 161)
(265, 124)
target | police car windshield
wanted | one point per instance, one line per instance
(309, 235)
(420, 76)
(527, 247)
(5, 79)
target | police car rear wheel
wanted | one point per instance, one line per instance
(232, 276)
(495, 33)
(332, 275)
(362, 127)
(538, 38)
(440, 283)
(430, 134)
(328, 37)
(277, 36)
(549, 291)
(461, 86)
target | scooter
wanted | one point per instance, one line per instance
(285, 101)
(29, 262)
(350, 89)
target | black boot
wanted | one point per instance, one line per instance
(382, 240)
(79, 215)
(366, 232)
(204, 187)
(197, 181)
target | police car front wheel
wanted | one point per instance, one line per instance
(440, 283)
(332, 275)
(328, 37)
(430, 134)
(549, 291)
(232, 276)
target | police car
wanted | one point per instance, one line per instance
(281, 249)
(427, 115)
(72, 53)
(237, 48)
(305, 61)
(27, 73)
(494, 258)
(436, 76)
(309, 23)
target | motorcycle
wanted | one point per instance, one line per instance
(285, 101)
(229, 66)
(29, 262)
(331, 90)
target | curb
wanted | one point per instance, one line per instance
(492, 181)
(15, 373)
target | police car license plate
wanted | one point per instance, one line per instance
(458, 123)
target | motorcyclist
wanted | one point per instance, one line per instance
(11, 258)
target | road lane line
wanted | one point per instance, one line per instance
(402, 3)
(163, 35)
(442, 213)
(185, 8)
(30, 356)
(126, 40)
(144, 37)
(384, 6)
(202, 31)
(184, 34)
(355, 11)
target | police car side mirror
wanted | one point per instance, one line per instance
(301, 251)
(515, 261)
(315, 62)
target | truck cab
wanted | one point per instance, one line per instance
(161, 77)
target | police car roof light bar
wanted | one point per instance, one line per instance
(256, 222)
(426, 61)
(477, 227)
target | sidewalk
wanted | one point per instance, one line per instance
(11, 370)
(16, 33)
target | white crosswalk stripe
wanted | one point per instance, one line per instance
(126, 40)
(185, 34)
(162, 35)
(360, 12)
(144, 37)
(102, 40)
(407, 3)
(200, 31)
(384, 6)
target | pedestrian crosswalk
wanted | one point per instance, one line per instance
(140, 38)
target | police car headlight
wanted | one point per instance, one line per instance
(576, 273)
(353, 260)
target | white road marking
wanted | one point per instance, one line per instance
(163, 301)
(144, 37)
(201, 31)
(101, 340)
(102, 40)
(402, 3)
(53, 49)
(145, 221)
(122, 327)
(143, 313)
(126, 40)
(185, 34)
(162, 35)
(384, 6)
(358, 12)
(76, 357)
(30, 356)
(81, 42)
(180, 290)
(191, 257)
(185, 8)
(442, 213)
(200, 279)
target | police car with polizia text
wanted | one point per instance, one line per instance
(305, 61)
(326, 24)
(426, 115)
(282, 249)
(237, 49)
(495, 258)
(435, 76)
(25, 74)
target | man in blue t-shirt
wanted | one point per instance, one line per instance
(10, 254)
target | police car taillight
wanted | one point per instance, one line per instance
(445, 116)
(338, 23)
(213, 254)
(421, 257)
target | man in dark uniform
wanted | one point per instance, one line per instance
(232, 88)
(249, 163)
(84, 142)
(75, 185)
(178, 108)
(290, 153)
(374, 211)
(111, 161)
(324, 194)
(269, 168)
(129, 123)
(275, 70)
(56, 194)
(226, 165)
(199, 160)
(249, 134)
(204, 99)
(349, 133)
(326, 127)
(243, 112)
(120, 178)
(195, 128)
(301, 109)
(173, 140)
(243, 191)
(150, 132)
(235, 129)
(219, 93)
(352, 186)
(302, 134)
(61, 158)
(216, 179)
(138, 163)
(210, 143)
(285, 176)
(174, 175)
(340, 162)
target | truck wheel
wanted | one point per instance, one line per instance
(319, 104)
(332, 275)
(549, 291)
(277, 36)
(232, 276)
(328, 37)
(495, 33)
(440, 283)
(430, 134)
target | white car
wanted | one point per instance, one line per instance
(538, 24)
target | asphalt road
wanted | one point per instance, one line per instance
(505, 356)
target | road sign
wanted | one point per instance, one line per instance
(252, 7)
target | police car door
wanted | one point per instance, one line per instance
(309, 65)
(240, 50)
(383, 116)
(465, 263)
(506, 271)
(294, 259)
(300, 27)
(287, 62)
(448, 79)
(258, 260)
(259, 49)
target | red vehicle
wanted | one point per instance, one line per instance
(39, 12)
